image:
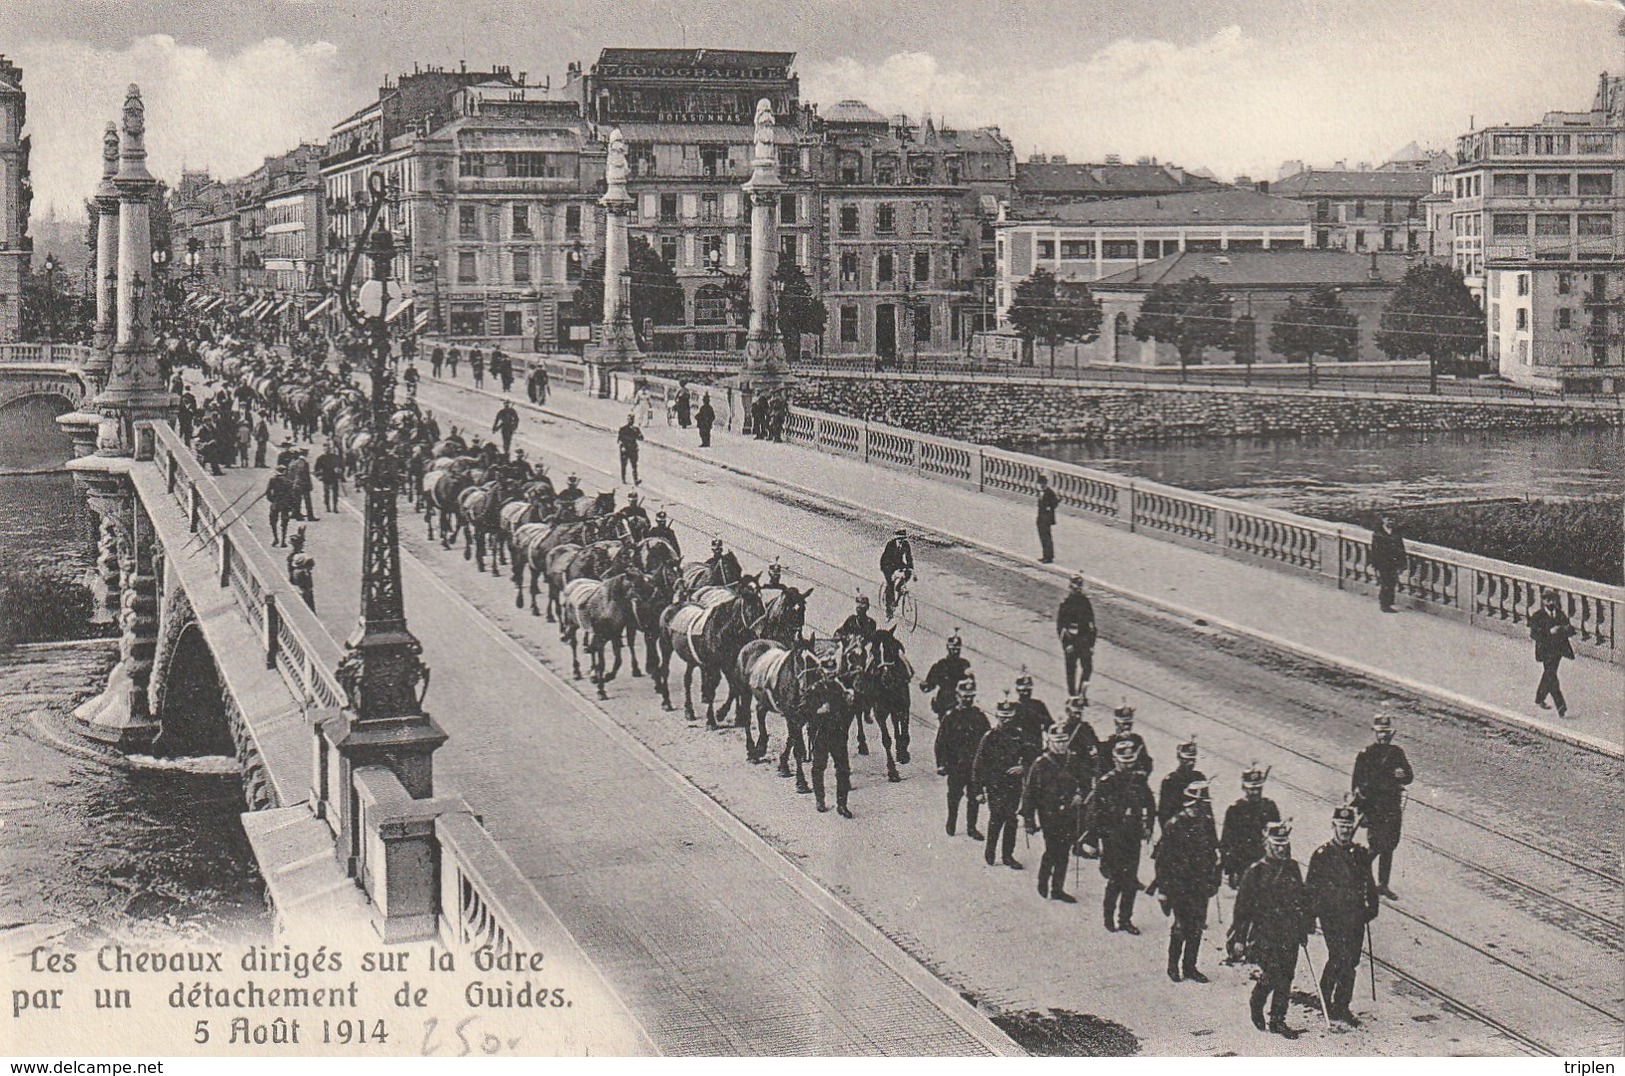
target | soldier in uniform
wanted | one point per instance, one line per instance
(635, 516)
(572, 491)
(1123, 719)
(662, 529)
(1381, 773)
(1343, 898)
(996, 775)
(1242, 843)
(1271, 923)
(1031, 717)
(828, 729)
(1052, 798)
(1124, 813)
(1171, 796)
(959, 734)
(945, 675)
(860, 625)
(775, 576)
(1187, 858)
(1082, 749)
(1075, 624)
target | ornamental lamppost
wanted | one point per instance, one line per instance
(383, 722)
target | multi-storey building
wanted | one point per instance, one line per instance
(205, 233)
(16, 193)
(908, 217)
(1044, 182)
(1095, 240)
(1365, 210)
(1550, 191)
(286, 208)
(1557, 324)
(687, 117)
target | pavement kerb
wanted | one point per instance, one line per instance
(870, 937)
(1483, 711)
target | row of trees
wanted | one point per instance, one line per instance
(1431, 316)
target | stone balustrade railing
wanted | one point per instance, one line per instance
(415, 854)
(44, 354)
(1492, 594)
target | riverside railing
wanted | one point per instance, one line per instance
(474, 895)
(44, 354)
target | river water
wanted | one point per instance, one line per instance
(89, 842)
(1316, 475)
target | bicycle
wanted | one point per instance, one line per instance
(905, 610)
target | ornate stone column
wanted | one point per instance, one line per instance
(121, 714)
(765, 367)
(81, 424)
(617, 347)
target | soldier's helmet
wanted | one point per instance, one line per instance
(631, 498)
(967, 689)
(660, 516)
(1076, 705)
(1125, 751)
(1005, 710)
(955, 643)
(1124, 716)
(716, 545)
(1055, 739)
(1278, 839)
(1024, 682)
(574, 480)
(1383, 726)
(1345, 819)
(1187, 750)
(863, 602)
(1077, 584)
(1252, 778)
(1196, 792)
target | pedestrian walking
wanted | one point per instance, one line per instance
(326, 469)
(262, 438)
(1343, 899)
(437, 360)
(1270, 924)
(503, 369)
(506, 422)
(186, 416)
(628, 437)
(997, 772)
(1550, 628)
(299, 476)
(302, 570)
(778, 414)
(684, 405)
(1381, 773)
(959, 735)
(245, 437)
(476, 366)
(1388, 559)
(704, 419)
(1031, 719)
(1052, 798)
(1241, 842)
(453, 357)
(1047, 503)
(279, 499)
(1075, 625)
(1124, 815)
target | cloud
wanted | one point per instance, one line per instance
(225, 112)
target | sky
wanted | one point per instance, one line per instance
(1236, 86)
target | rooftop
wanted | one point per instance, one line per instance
(715, 59)
(1325, 182)
(1262, 268)
(1104, 179)
(852, 111)
(1221, 205)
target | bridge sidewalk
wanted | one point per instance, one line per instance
(694, 920)
(1488, 675)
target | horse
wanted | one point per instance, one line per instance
(532, 543)
(604, 609)
(723, 571)
(566, 563)
(791, 681)
(659, 560)
(882, 694)
(443, 485)
(707, 631)
(478, 509)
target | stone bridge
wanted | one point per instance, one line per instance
(38, 384)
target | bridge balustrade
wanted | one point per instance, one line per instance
(44, 354)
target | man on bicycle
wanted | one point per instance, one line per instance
(897, 565)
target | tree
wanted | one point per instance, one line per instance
(160, 223)
(1316, 324)
(800, 311)
(656, 295)
(54, 308)
(1431, 314)
(1191, 316)
(1044, 309)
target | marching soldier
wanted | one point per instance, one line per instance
(1031, 718)
(1125, 813)
(662, 530)
(996, 775)
(828, 728)
(1344, 899)
(1052, 799)
(1242, 843)
(1272, 922)
(1381, 773)
(1187, 859)
(1082, 749)
(1075, 624)
(959, 734)
(1171, 796)
(945, 675)
(1123, 719)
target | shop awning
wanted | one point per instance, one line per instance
(319, 307)
(401, 308)
(214, 304)
(256, 308)
(420, 322)
(263, 309)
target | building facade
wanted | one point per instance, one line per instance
(16, 193)
(1558, 324)
(1359, 211)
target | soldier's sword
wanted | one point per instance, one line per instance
(1325, 1013)
(1371, 955)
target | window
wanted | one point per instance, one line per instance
(1323, 238)
(884, 269)
(1510, 145)
(1411, 242)
(885, 171)
(849, 268)
(885, 218)
(1552, 224)
(1514, 184)
(1552, 184)
(668, 208)
(711, 245)
(1594, 144)
(789, 161)
(1565, 318)
(521, 220)
(1509, 224)
(1046, 249)
(467, 268)
(713, 160)
(521, 267)
(954, 265)
(1595, 224)
(1523, 283)
(922, 267)
(468, 221)
(708, 208)
(922, 218)
(1323, 209)
(1594, 184)
(849, 220)
(572, 220)
(1119, 249)
(1359, 210)
(1359, 239)
(1552, 143)
(1521, 318)
(572, 265)
(849, 324)
(1077, 249)
(787, 248)
(1565, 283)
(787, 209)
(849, 174)
(921, 316)
(710, 306)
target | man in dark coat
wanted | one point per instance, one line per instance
(303, 484)
(1381, 773)
(1187, 858)
(1171, 795)
(1082, 748)
(1343, 898)
(684, 405)
(437, 360)
(476, 365)
(1241, 843)
(1270, 925)
(627, 438)
(860, 625)
(326, 470)
(1048, 502)
(279, 499)
(1388, 559)
(828, 727)
(662, 529)
(504, 425)
(944, 677)
(1051, 801)
(704, 419)
(959, 734)
(896, 566)
(572, 491)
(1123, 720)
(302, 570)
(635, 516)
(1124, 814)
(1075, 624)
(1550, 628)
(996, 774)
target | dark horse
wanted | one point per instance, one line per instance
(659, 560)
(882, 694)
(784, 614)
(601, 611)
(707, 631)
(792, 681)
